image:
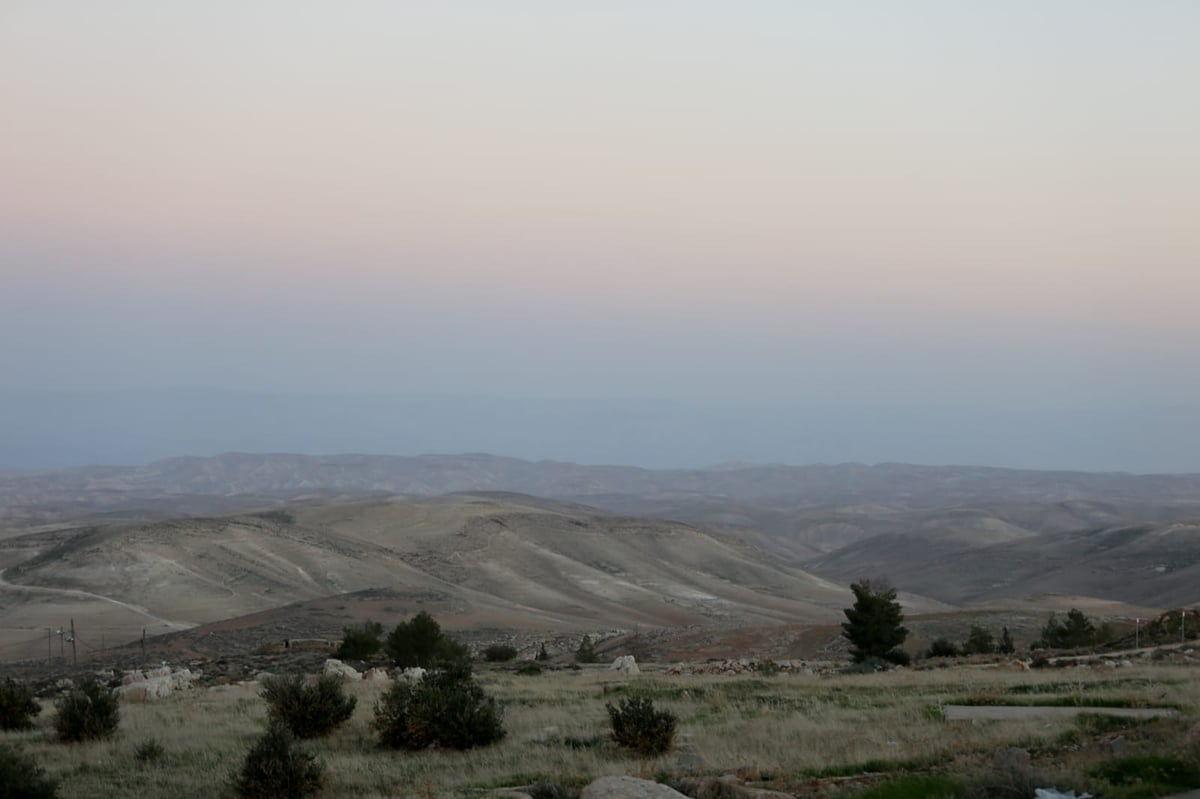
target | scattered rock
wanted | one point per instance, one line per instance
(412, 674)
(344, 670)
(376, 673)
(628, 788)
(155, 684)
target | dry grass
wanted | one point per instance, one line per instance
(781, 730)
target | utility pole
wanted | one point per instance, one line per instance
(1137, 633)
(1182, 623)
(74, 654)
(49, 647)
(143, 645)
(62, 654)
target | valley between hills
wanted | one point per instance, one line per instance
(724, 561)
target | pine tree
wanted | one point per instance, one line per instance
(875, 624)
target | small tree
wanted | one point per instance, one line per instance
(1077, 631)
(360, 641)
(89, 712)
(276, 767)
(542, 654)
(874, 624)
(1006, 645)
(586, 653)
(979, 642)
(445, 707)
(421, 642)
(17, 705)
(308, 710)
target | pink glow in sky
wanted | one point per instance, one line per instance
(989, 195)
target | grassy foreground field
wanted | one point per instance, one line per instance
(804, 735)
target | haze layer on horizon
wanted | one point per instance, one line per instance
(983, 214)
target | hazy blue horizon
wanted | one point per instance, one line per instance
(59, 429)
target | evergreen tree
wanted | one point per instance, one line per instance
(979, 642)
(874, 625)
(1006, 645)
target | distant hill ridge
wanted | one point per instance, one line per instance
(288, 476)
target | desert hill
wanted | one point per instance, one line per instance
(1155, 565)
(510, 561)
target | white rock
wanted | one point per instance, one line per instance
(628, 788)
(334, 666)
(626, 665)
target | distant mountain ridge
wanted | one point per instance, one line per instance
(289, 476)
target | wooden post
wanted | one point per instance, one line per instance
(74, 653)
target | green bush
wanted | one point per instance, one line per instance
(360, 642)
(980, 641)
(308, 710)
(638, 726)
(22, 778)
(149, 751)
(17, 706)
(446, 707)
(86, 713)
(276, 767)
(499, 653)
(421, 642)
(586, 653)
(942, 648)
(529, 670)
(1149, 775)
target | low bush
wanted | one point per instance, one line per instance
(942, 648)
(17, 706)
(529, 670)
(637, 725)
(87, 713)
(499, 653)
(1148, 775)
(276, 767)
(445, 707)
(361, 641)
(22, 778)
(149, 751)
(308, 710)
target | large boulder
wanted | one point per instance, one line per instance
(159, 686)
(340, 669)
(628, 788)
(626, 665)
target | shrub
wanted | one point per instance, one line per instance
(868, 665)
(149, 751)
(586, 653)
(529, 670)
(638, 726)
(276, 767)
(1158, 773)
(445, 707)
(22, 778)
(942, 648)
(768, 667)
(1006, 645)
(88, 712)
(360, 642)
(499, 653)
(421, 642)
(17, 706)
(308, 710)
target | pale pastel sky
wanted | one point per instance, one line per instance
(932, 203)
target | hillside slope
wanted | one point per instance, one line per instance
(515, 561)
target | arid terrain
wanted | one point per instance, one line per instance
(287, 545)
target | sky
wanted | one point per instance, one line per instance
(962, 209)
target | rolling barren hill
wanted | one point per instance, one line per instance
(505, 561)
(1154, 565)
